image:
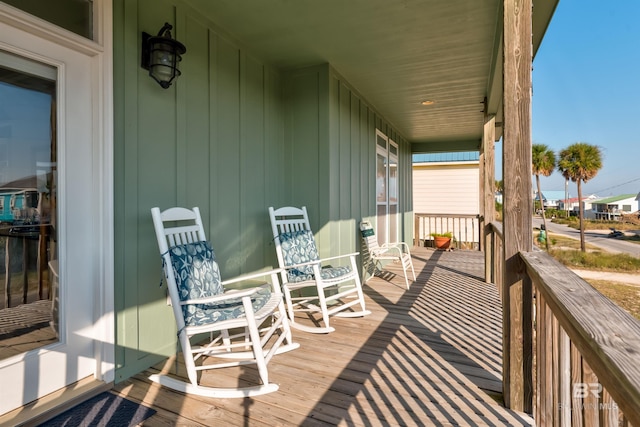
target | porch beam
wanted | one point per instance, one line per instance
(516, 292)
(487, 192)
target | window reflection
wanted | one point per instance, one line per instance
(72, 15)
(28, 195)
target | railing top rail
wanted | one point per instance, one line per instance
(607, 336)
(447, 215)
(497, 228)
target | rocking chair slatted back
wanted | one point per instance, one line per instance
(181, 235)
(369, 237)
(290, 219)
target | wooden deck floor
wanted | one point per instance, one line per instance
(427, 356)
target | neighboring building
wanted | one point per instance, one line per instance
(551, 199)
(17, 204)
(446, 183)
(572, 204)
(611, 208)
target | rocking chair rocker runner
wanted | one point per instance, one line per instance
(330, 291)
(396, 252)
(201, 305)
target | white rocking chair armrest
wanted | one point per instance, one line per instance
(320, 261)
(302, 264)
(252, 276)
(388, 250)
(340, 256)
(232, 294)
(395, 245)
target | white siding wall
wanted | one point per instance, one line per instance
(446, 188)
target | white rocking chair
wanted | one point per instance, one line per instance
(201, 305)
(396, 252)
(330, 291)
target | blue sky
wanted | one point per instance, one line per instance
(586, 88)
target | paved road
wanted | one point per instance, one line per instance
(597, 238)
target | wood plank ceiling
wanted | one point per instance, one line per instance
(396, 53)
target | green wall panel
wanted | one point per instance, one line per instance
(233, 136)
(214, 139)
(346, 157)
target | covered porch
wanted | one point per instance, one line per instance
(428, 356)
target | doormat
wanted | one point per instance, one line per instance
(103, 410)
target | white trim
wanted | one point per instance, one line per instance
(48, 31)
(105, 348)
(101, 86)
(22, 64)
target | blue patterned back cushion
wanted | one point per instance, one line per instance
(196, 270)
(198, 276)
(299, 247)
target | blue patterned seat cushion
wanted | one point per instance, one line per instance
(299, 247)
(198, 276)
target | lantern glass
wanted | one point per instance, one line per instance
(162, 56)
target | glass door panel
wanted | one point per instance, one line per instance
(28, 200)
(393, 192)
(381, 197)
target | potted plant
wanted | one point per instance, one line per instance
(442, 241)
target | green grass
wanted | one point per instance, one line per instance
(567, 251)
(600, 261)
(627, 297)
(573, 222)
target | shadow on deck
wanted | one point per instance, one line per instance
(428, 356)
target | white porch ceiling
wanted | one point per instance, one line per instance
(396, 53)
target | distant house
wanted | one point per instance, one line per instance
(572, 204)
(551, 199)
(446, 183)
(611, 208)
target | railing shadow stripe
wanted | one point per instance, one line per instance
(429, 350)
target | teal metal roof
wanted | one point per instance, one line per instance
(462, 156)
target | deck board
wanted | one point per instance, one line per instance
(428, 356)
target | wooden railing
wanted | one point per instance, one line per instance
(586, 369)
(464, 228)
(494, 248)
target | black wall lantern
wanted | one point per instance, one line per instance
(161, 55)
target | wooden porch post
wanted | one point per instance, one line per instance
(517, 223)
(487, 193)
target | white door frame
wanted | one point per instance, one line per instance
(390, 158)
(85, 165)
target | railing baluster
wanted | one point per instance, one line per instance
(576, 378)
(564, 400)
(555, 369)
(549, 409)
(541, 358)
(593, 389)
(609, 413)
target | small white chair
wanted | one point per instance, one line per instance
(308, 285)
(396, 252)
(201, 304)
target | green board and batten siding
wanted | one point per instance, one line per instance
(232, 136)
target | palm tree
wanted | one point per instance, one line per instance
(580, 162)
(543, 162)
